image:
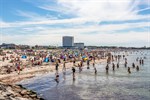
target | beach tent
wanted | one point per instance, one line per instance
(46, 60)
(24, 56)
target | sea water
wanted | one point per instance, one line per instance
(115, 85)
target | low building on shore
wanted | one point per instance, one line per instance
(8, 46)
(79, 45)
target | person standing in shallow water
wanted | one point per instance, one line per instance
(137, 68)
(142, 61)
(125, 64)
(133, 65)
(117, 65)
(56, 67)
(73, 72)
(80, 69)
(113, 67)
(129, 71)
(94, 68)
(93, 64)
(57, 78)
(88, 64)
(107, 68)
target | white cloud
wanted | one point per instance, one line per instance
(32, 16)
(4, 24)
(93, 11)
(101, 9)
(73, 21)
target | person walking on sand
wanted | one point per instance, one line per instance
(64, 66)
(18, 68)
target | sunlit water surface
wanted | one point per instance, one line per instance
(116, 85)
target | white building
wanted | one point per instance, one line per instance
(79, 45)
(68, 41)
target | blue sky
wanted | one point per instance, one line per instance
(94, 22)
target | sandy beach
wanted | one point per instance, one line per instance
(35, 71)
(32, 71)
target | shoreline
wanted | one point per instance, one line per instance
(37, 70)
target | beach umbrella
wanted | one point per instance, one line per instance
(24, 56)
(46, 60)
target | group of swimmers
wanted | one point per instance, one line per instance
(141, 62)
(116, 58)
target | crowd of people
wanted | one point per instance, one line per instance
(21, 59)
(111, 60)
